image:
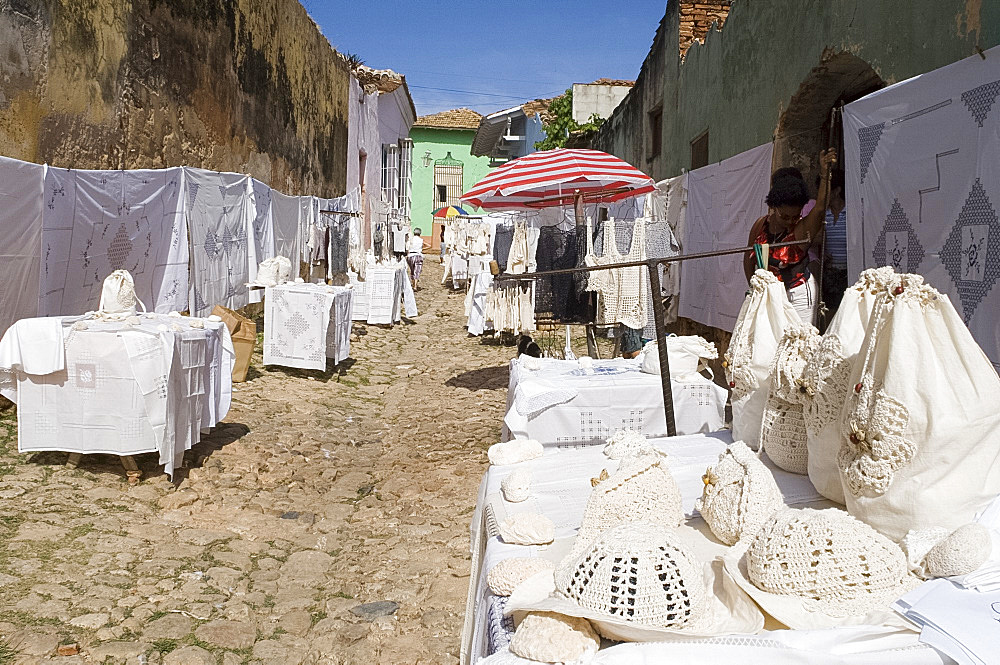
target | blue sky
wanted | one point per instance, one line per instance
(492, 55)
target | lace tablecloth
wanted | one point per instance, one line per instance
(563, 404)
(560, 488)
(378, 298)
(152, 383)
(304, 324)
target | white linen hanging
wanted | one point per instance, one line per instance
(285, 220)
(96, 222)
(21, 188)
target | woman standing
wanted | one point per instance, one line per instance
(784, 223)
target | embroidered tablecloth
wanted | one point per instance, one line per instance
(304, 324)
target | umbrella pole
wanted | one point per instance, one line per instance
(661, 346)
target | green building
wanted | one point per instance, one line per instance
(443, 166)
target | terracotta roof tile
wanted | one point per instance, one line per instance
(612, 82)
(462, 118)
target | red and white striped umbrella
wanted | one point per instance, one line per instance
(553, 177)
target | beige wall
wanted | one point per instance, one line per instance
(242, 85)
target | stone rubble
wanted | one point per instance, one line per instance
(326, 521)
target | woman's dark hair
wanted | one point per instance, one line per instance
(787, 191)
(786, 172)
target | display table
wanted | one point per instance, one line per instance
(151, 383)
(563, 404)
(378, 297)
(560, 489)
(304, 324)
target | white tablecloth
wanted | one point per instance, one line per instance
(561, 404)
(304, 324)
(377, 300)
(150, 386)
(560, 488)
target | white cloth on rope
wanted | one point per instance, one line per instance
(21, 206)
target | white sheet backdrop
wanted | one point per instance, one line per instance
(96, 222)
(923, 186)
(285, 217)
(21, 186)
(724, 200)
(220, 214)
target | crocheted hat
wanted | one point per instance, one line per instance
(838, 565)
(962, 551)
(514, 451)
(625, 442)
(504, 577)
(642, 489)
(553, 638)
(740, 495)
(527, 529)
(516, 485)
(637, 573)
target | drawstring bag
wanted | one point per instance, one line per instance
(826, 379)
(921, 427)
(762, 321)
(118, 299)
(783, 428)
(274, 271)
(687, 355)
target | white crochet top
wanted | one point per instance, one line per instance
(642, 489)
(740, 495)
(636, 573)
(828, 557)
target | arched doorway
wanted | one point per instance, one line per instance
(804, 129)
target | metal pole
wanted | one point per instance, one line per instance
(661, 345)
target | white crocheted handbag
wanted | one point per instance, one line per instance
(636, 573)
(740, 495)
(118, 299)
(761, 322)
(827, 375)
(783, 427)
(274, 271)
(838, 564)
(642, 489)
(921, 426)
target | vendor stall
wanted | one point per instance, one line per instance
(385, 294)
(561, 402)
(304, 324)
(560, 487)
(144, 384)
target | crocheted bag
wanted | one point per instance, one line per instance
(740, 495)
(827, 557)
(273, 271)
(783, 428)
(827, 375)
(553, 638)
(686, 354)
(762, 321)
(635, 573)
(626, 442)
(118, 299)
(921, 426)
(642, 489)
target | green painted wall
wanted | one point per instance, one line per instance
(775, 55)
(440, 142)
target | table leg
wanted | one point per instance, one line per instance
(73, 460)
(131, 469)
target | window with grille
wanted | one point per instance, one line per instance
(447, 181)
(405, 177)
(390, 175)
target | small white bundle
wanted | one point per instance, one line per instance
(963, 551)
(507, 575)
(626, 442)
(531, 363)
(548, 637)
(214, 318)
(585, 362)
(197, 323)
(516, 485)
(527, 529)
(274, 271)
(514, 451)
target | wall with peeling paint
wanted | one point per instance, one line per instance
(738, 83)
(241, 85)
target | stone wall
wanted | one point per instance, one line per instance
(249, 86)
(696, 19)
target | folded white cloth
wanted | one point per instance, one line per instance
(34, 346)
(533, 397)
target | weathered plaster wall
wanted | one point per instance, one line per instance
(740, 81)
(241, 85)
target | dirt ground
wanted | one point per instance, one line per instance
(326, 521)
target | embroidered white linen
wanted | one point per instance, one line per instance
(304, 324)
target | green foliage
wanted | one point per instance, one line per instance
(561, 122)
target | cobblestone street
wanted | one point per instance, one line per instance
(326, 521)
